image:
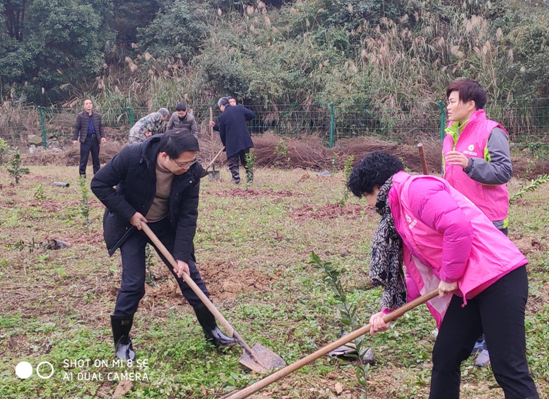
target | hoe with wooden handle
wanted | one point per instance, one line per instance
(242, 394)
(258, 358)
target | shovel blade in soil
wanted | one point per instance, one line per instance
(213, 175)
(266, 357)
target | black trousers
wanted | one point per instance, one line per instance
(91, 144)
(132, 288)
(499, 312)
(234, 166)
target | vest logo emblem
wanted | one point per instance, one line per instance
(411, 223)
(470, 151)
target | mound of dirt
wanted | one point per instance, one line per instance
(225, 282)
(528, 245)
(308, 152)
(329, 211)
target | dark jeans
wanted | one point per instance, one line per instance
(234, 166)
(499, 311)
(91, 144)
(132, 288)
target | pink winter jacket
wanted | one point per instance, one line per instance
(446, 237)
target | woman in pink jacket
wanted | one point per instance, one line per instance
(447, 242)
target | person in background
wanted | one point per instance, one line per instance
(156, 182)
(235, 136)
(182, 119)
(88, 130)
(447, 243)
(477, 161)
(148, 126)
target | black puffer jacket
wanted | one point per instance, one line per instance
(81, 126)
(133, 173)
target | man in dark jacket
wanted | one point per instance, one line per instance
(158, 182)
(235, 136)
(88, 130)
(182, 119)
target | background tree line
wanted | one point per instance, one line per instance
(397, 54)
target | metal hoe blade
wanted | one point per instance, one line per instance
(266, 359)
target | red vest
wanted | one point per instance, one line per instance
(493, 200)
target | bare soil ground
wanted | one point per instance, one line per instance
(69, 281)
(309, 153)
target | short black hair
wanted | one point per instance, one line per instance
(468, 90)
(373, 170)
(176, 141)
(181, 107)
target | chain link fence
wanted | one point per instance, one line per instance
(528, 125)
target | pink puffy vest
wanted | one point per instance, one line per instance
(492, 255)
(493, 200)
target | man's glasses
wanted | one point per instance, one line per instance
(185, 165)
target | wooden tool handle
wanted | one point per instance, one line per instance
(211, 134)
(159, 245)
(242, 394)
(215, 158)
(422, 159)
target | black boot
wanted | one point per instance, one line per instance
(121, 326)
(236, 176)
(212, 332)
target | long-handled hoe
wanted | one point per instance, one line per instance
(242, 394)
(258, 358)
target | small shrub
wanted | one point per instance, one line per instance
(347, 172)
(150, 277)
(3, 150)
(39, 192)
(250, 162)
(84, 204)
(281, 153)
(14, 167)
(534, 184)
(347, 312)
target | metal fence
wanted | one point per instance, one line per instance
(527, 124)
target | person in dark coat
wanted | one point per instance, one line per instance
(235, 136)
(157, 182)
(88, 130)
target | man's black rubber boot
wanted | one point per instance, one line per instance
(236, 176)
(121, 326)
(212, 332)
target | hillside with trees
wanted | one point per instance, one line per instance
(399, 54)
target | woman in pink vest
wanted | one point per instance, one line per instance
(477, 160)
(445, 241)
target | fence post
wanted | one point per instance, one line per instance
(442, 124)
(441, 120)
(332, 125)
(43, 125)
(130, 115)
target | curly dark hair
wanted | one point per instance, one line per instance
(373, 170)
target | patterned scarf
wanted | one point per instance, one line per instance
(386, 260)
